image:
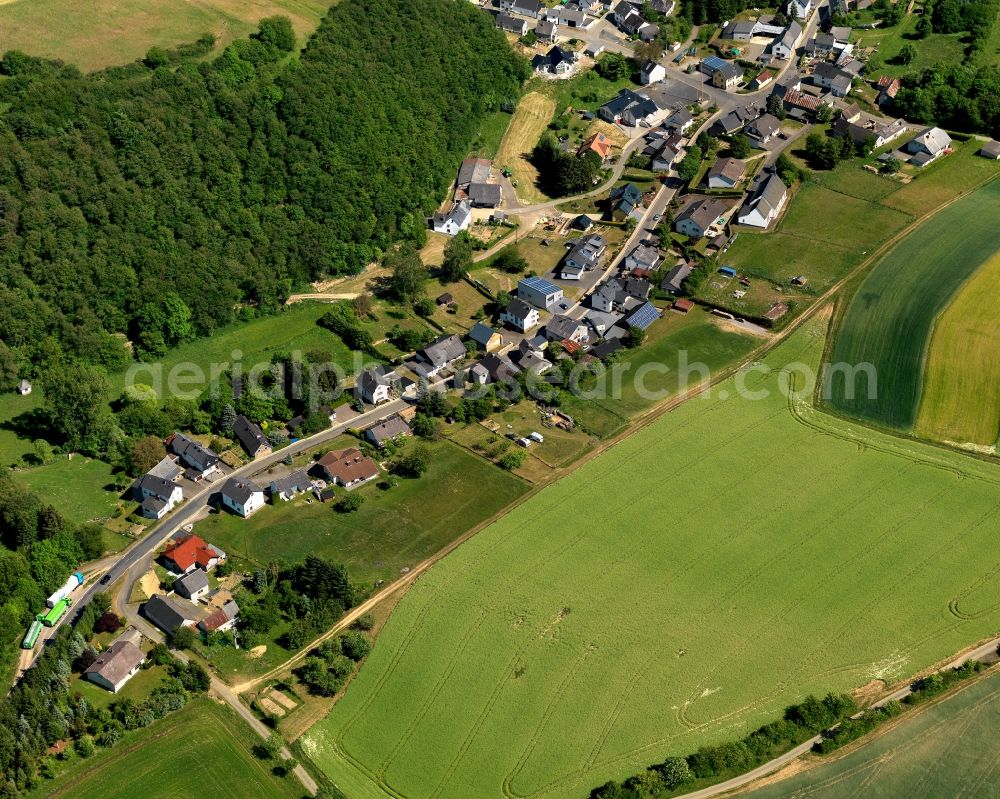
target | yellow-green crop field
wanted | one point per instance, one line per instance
(678, 590)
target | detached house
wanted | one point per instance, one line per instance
(526, 8)
(348, 467)
(927, 146)
(242, 496)
(799, 9)
(724, 74)
(586, 254)
(833, 78)
(441, 354)
(223, 619)
(698, 218)
(651, 72)
(454, 221)
(784, 48)
(251, 438)
(191, 552)
(519, 315)
(557, 61)
(485, 337)
(193, 585)
(199, 462)
(169, 614)
(387, 430)
(624, 200)
(643, 257)
(764, 202)
(563, 328)
(725, 173)
(599, 144)
(514, 25)
(375, 384)
(764, 128)
(116, 665)
(285, 488)
(156, 495)
(629, 108)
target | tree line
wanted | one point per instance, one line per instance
(148, 204)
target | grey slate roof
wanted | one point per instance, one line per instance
(249, 434)
(115, 662)
(484, 194)
(376, 376)
(166, 613)
(729, 168)
(481, 333)
(389, 428)
(518, 308)
(167, 469)
(295, 481)
(191, 583)
(192, 453)
(154, 486)
(443, 351)
(240, 490)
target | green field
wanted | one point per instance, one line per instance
(945, 750)
(961, 393)
(12, 445)
(202, 750)
(679, 589)
(889, 320)
(107, 32)
(395, 528)
(78, 488)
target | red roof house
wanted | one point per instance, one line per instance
(191, 552)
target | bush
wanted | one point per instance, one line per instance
(355, 645)
(349, 503)
(512, 460)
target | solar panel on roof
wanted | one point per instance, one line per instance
(644, 316)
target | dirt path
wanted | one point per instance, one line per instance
(294, 298)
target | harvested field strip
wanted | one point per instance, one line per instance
(530, 120)
(888, 322)
(678, 589)
(961, 394)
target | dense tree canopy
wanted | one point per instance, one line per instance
(152, 202)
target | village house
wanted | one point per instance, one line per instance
(624, 201)
(542, 294)
(784, 47)
(454, 221)
(221, 620)
(888, 87)
(193, 585)
(191, 552)
(764, 203)
(629, 108)
(764, 78)
(587, 253)
(927, 145)
(725, 173)
(800, 104)
(242, 496)
(723, 74)
(526, 8)
(528, 359)
(387, 430)
(833, 78)
(169, 614)
(699, 217)
(157, 496)
(286, 488)
(564, 328)
(674, 281)
(739, 30)
(348, 467)
(799, 9)
(820, 46)
(485, 337)
(651, 72)
(251, 438)
(764, 128)
(734, 121)
(375, 385)
(556, 61)
(519, 315)
(645, 257)
(441, 354)
(872, 131)
(116, 665)
(599, 144)
(493, 368)
(515, 25)
(601, 321)
(199, 462)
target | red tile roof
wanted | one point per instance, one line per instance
(190, 550)
(598, 143)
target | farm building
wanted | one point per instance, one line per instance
(485, 337)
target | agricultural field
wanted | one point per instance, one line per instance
(109, 32)
(201, 750)
(961, 392)
(679, 589)
(943, 180)
(889, 320)
(394, 528)
(945, 749)
(530, 119)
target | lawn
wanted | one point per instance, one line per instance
(677, 590)
(531, 118)
(937, 48)
(202, 750)
(250, 343)
(849, 178)
(77, 487)
(960, 401)
(825, 251)
(491, 133)
(946, 749)
(108, 32)
(393, 529)
(13, 446)
(888, 323)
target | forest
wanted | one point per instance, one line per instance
(149, 204)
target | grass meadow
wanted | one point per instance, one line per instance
(945, 749)
(202, 750)
(960, 401)
(109, 32)
(679, 589)
(889, 320)
(530, 120)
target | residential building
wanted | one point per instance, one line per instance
(799, 9)
(865, 131)
(652, 72)
(679, 121)
(764, 202)
(629, 108)
(242, 496)
(348, 467)
(167, 468)
(454, 221)
(642, 317)
(587, 253)
(674, 281)
(927, 145)
(191, 552)
(169, 614)
(441, 354)
(485, 337)
(546, 31)
(564, 328)
(724, 74)
(514, 25)
(494, 368)
(764, 79)
(375, 385)
(199, 462)
(518, 314)
(557, 61)
(624, 200)
(833, 78)
(601, 321)
(821, 45)
(800, 103)
(599, 144)
(734, 121)
(609, 296)
(699, 217)
(644, 256)
(668, 153)
(784, 47)
(116, 665)
(251, 438)
(193, 585)
(570, 17)
(157, 496)
(387, 430)
(526, 8)
(725, 173)
(764, 128)
(285, 488)
(540, 293)
(528, 359)
(221, 620)
(888, 87)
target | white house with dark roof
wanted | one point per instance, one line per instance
(519, 315)
(453, 221)
(526, 8)
(645, 257)
(199, 462)
(285, 488)
(116, 665)
(441, 354)
(799, 9)
(193, 585)
(157, 496)
(242, 496)
(221, 620)
(699, 217)
(651, 72)
(375, 385)
(764, 202)
(565, 328)
(785, 46)
(251, 437)
(725, 173)
(764, 128)
(512, 24)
